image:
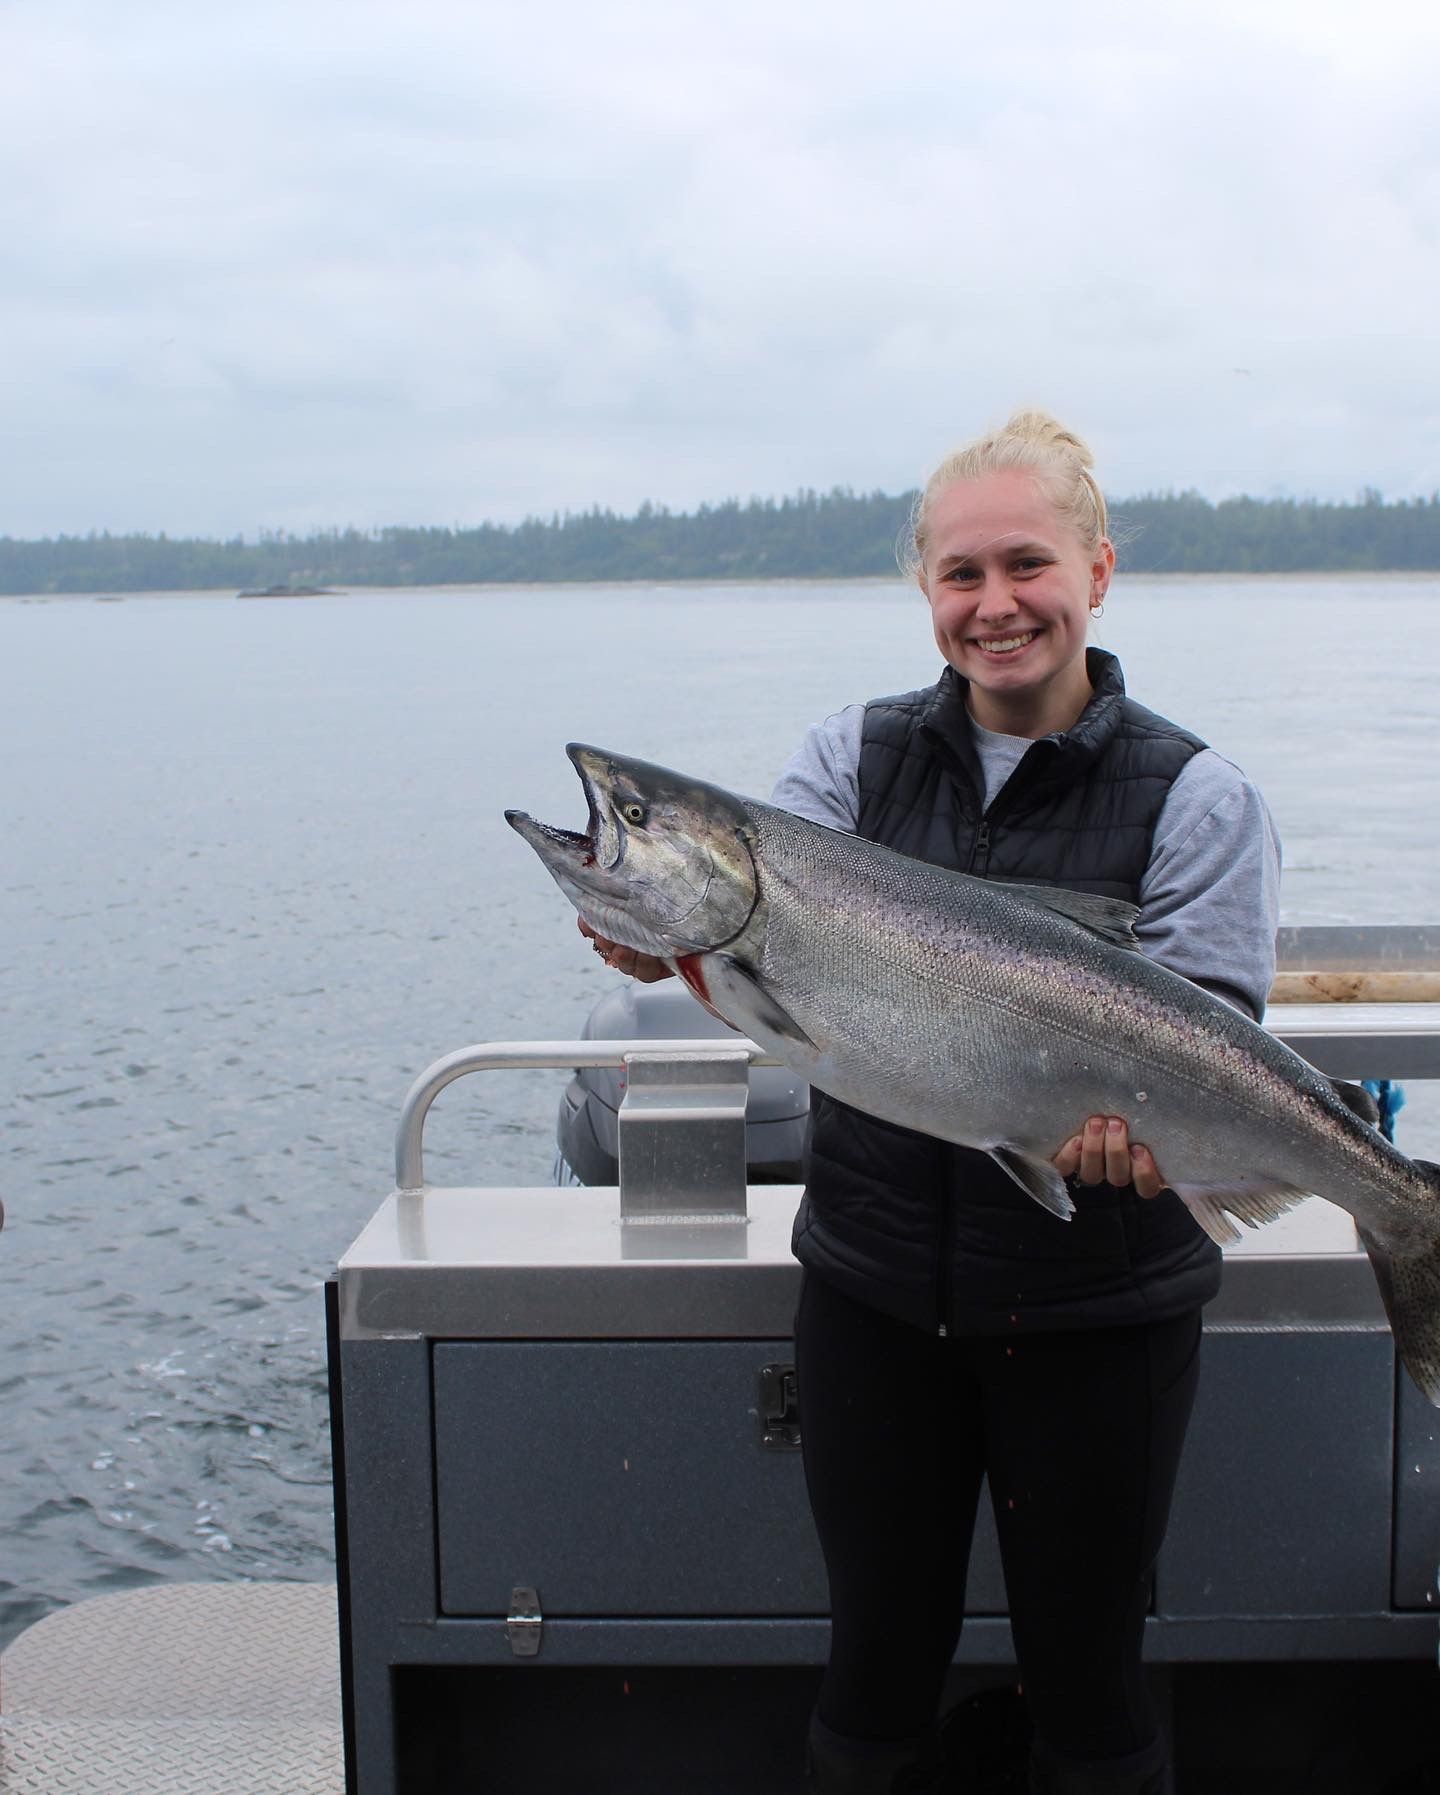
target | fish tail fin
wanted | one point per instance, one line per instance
(1410, 1289)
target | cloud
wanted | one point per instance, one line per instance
(308, 264)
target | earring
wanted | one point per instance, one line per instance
(1098, 608)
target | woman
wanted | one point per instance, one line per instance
(948, 1329)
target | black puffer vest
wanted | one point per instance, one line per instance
(937, 1235)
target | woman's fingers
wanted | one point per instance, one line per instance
(1092, 1151)
(1148, 1182)
(1102, 1154)
(647, 968)
(1067, 1160)
(1117, 1151)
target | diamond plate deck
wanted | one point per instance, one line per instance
(178, 1689)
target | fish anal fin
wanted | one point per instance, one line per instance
(1037, 1178)
(1112, 919)
(1253, 1203)
(761, 1005)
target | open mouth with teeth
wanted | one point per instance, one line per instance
(530, 827)
(601, 845)
(1005, 644)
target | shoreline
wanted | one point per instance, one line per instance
(827, 582)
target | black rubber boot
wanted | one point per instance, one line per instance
(835, 1765)
(985, 1744)
(1145, 1773)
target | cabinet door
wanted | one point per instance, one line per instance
(618, 1478)
(1283, 1502)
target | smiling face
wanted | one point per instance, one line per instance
(1010, 585)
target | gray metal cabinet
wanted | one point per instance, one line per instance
(551, 1453)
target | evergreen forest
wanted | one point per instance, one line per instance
(834, 535)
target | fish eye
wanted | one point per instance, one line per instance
(633, 812)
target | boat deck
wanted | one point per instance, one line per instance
(177, 1689)
(234, 1689)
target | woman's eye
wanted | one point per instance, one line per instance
(633, 812)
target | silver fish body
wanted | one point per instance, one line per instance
(991, 1015)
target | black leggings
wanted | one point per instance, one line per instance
(1080, 1434)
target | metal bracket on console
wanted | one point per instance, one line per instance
(682, 1136)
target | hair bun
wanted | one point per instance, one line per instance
(1034, 426)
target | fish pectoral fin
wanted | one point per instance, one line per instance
(1112, 919)
(1253, 1203)
(1037, 1178)
(762, 1006)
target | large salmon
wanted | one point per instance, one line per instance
(998, 1016)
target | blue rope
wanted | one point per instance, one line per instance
(1389, 1093)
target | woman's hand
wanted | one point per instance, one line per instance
(648, 968)
(1101, 1154)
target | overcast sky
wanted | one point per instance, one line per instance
(294, 264)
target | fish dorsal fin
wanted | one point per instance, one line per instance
(1112, 919)
(1357, 1100)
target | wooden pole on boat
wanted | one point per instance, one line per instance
(1334, 986)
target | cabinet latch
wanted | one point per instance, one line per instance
(524, 1622)
(779, 1407)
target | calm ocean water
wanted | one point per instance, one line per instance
(256, 877)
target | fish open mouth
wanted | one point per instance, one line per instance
(602, 843)
(529, 825)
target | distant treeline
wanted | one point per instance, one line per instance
(815, 535)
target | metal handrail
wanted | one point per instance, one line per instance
(1358, 947)
(1309, 1028)
(1316, 1022)
(491, 1056)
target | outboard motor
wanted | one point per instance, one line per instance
(587, 1132)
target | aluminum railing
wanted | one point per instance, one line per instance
(685, 1086)
(682, 1122)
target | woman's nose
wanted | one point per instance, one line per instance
(997, 600)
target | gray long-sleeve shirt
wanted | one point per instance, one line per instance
(1210, 897)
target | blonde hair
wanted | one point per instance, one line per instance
(1031, 440)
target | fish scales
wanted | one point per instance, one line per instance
(985, 984)
(991, 1015)
(974, 980)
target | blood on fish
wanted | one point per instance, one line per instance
(688, 966)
